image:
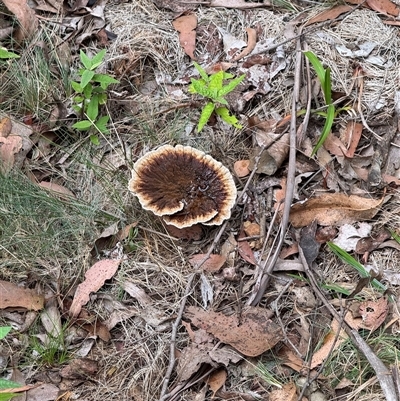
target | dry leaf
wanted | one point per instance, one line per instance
(8, 148)
(5, 127)
(286, 393)
(241, 168)
(334, 209)
(330, 14)
(12, 296)
(25, 16)
(239, 4)
(251, 44)
(251, 229)
(373, 313)
(186, 25)
(329, 342)
(58, 189)
(245, 250)
(216, 380)
(255, 334)
(81, 368)
(289, 358)
(353, 136)
(94, 280)
(212, 264)
(384, 6)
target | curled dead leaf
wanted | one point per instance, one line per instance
(25, 16)
(94, 280)
(251, 44)
(334, 209)
(255, 334)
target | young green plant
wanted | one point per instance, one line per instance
(6, 384)
(346, 257)
(213, 88)
(91, 94)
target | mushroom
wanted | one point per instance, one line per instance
(184, 185)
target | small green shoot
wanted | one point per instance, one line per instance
(4, 330)
(213, 88)
(343, 255)
(90, 95)
(6, 384)
(324, 76)
(5, 54)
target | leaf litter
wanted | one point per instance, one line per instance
(148, 304)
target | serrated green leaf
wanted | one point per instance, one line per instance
(98, 59)
(221, 100)
(94, 139)
(86, 78)
(228, 117)
(228, 75)
(205, 115)
(83, 125)
(201, 71)
(104, 80)
(85, 60)
(231, 85)
(7, 396)
(318, 67)
(4, 330)
(330, 115)
(201, 89)
(216, 80)
(4, 54)
(101, 124)
(76, 86)
(6, 384)
(92, 109)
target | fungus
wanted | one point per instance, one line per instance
(184, 185)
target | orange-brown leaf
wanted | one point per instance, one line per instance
(216, 380)
(25, 16)
(186, 25)
(334, 209)
(212, 264)
(384, 6)
(330, 14)
(12, 296)
(94, 280)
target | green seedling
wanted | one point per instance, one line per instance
(347, 258)
(6, 384)
(213, 88)
(91, 94)
(5, 54)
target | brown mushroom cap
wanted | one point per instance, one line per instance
(184, 185)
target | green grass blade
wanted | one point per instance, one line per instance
(346, 257)
(327, 88)
(318, 67)
(330, 115)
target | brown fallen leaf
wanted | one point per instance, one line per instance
(80, 368)
(5, 127)
(386, 7)
(216, 380)
(186, 25)
(255, 334)
(330, 14)
(25, 16)
(212, 264)
(8, 148)
(239, 4)
(334, 209)
(245, 250)
(12, 296)
(286, 393)
(241, 168)
(251, 229)
(373, 313)
(328, 343)
(352, 136)
(251, 44)
(57, 189)
(192, 233)
(94, 280)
